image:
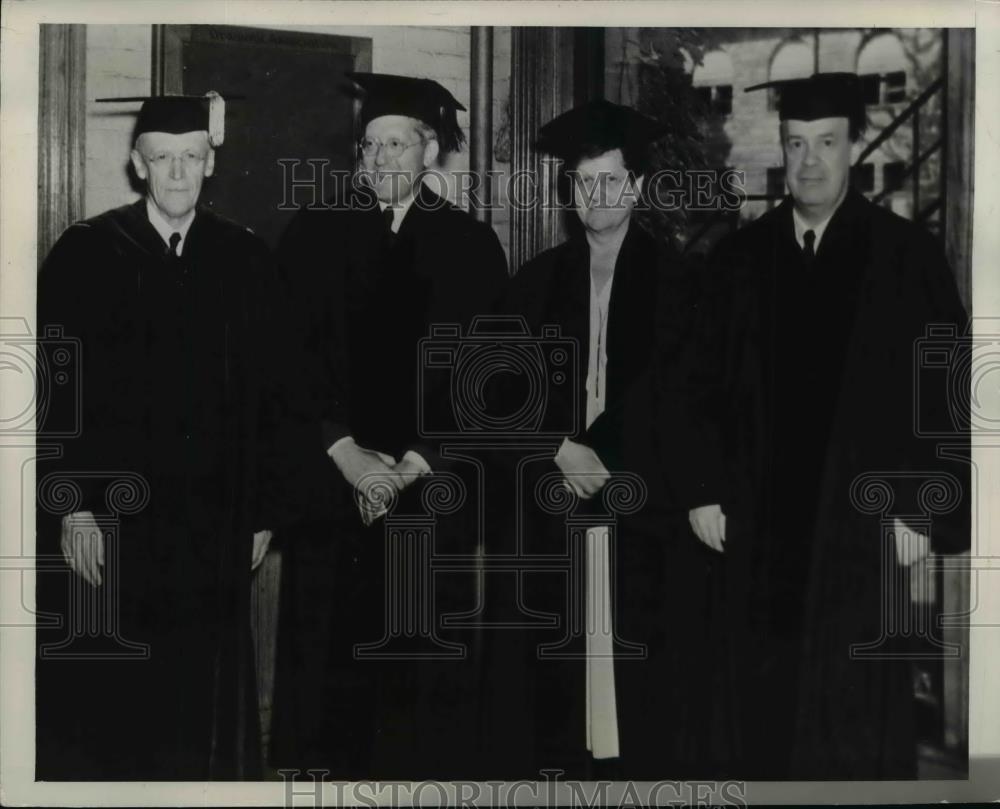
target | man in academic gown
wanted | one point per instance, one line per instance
(801, 383)
(611, 708)
(371, 275)
(171, 485)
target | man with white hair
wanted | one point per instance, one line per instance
(175, 309)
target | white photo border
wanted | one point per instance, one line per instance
(19, 58)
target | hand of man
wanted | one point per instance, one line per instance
(709, 525)
(375, 493)
(411, 467)
(911, 546)
(261, 542)
(82, 545)
(582, 469)
(356, 462)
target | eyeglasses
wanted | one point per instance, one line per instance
(391, 148)
(189, 159)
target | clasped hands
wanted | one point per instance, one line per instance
(709, 525)
(377, 478)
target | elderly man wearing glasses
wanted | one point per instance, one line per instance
(370, 276)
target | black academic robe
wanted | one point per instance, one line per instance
(800, 380)
(649, 603)
(365, 300)
(175, 397)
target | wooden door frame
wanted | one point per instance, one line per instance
(552, 69)
(62, 127)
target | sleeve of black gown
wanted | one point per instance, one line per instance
(692, 319)
(471, 281)
(71, 308)
(527, 298)
(308, 257)
(944, 398)
(287, 430)
(615, 427)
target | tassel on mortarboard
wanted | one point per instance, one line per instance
(216, 118)
(450, 134)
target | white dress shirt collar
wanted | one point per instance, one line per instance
(399, 211)
(801, 226)
(165, 229)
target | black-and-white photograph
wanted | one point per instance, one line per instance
(565, 405)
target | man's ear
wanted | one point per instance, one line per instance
(138, 164)
(431, 150)
(210, 163)
(638, 184)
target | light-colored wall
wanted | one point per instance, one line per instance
(119, 62)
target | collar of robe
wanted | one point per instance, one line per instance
(842, 221)
(143, 234)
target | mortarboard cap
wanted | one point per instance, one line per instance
(423, 99)
(822, 95)
(597, 127)
(177, 114)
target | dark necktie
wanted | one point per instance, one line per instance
(175, 240)
(809, 246)
(388, 216)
